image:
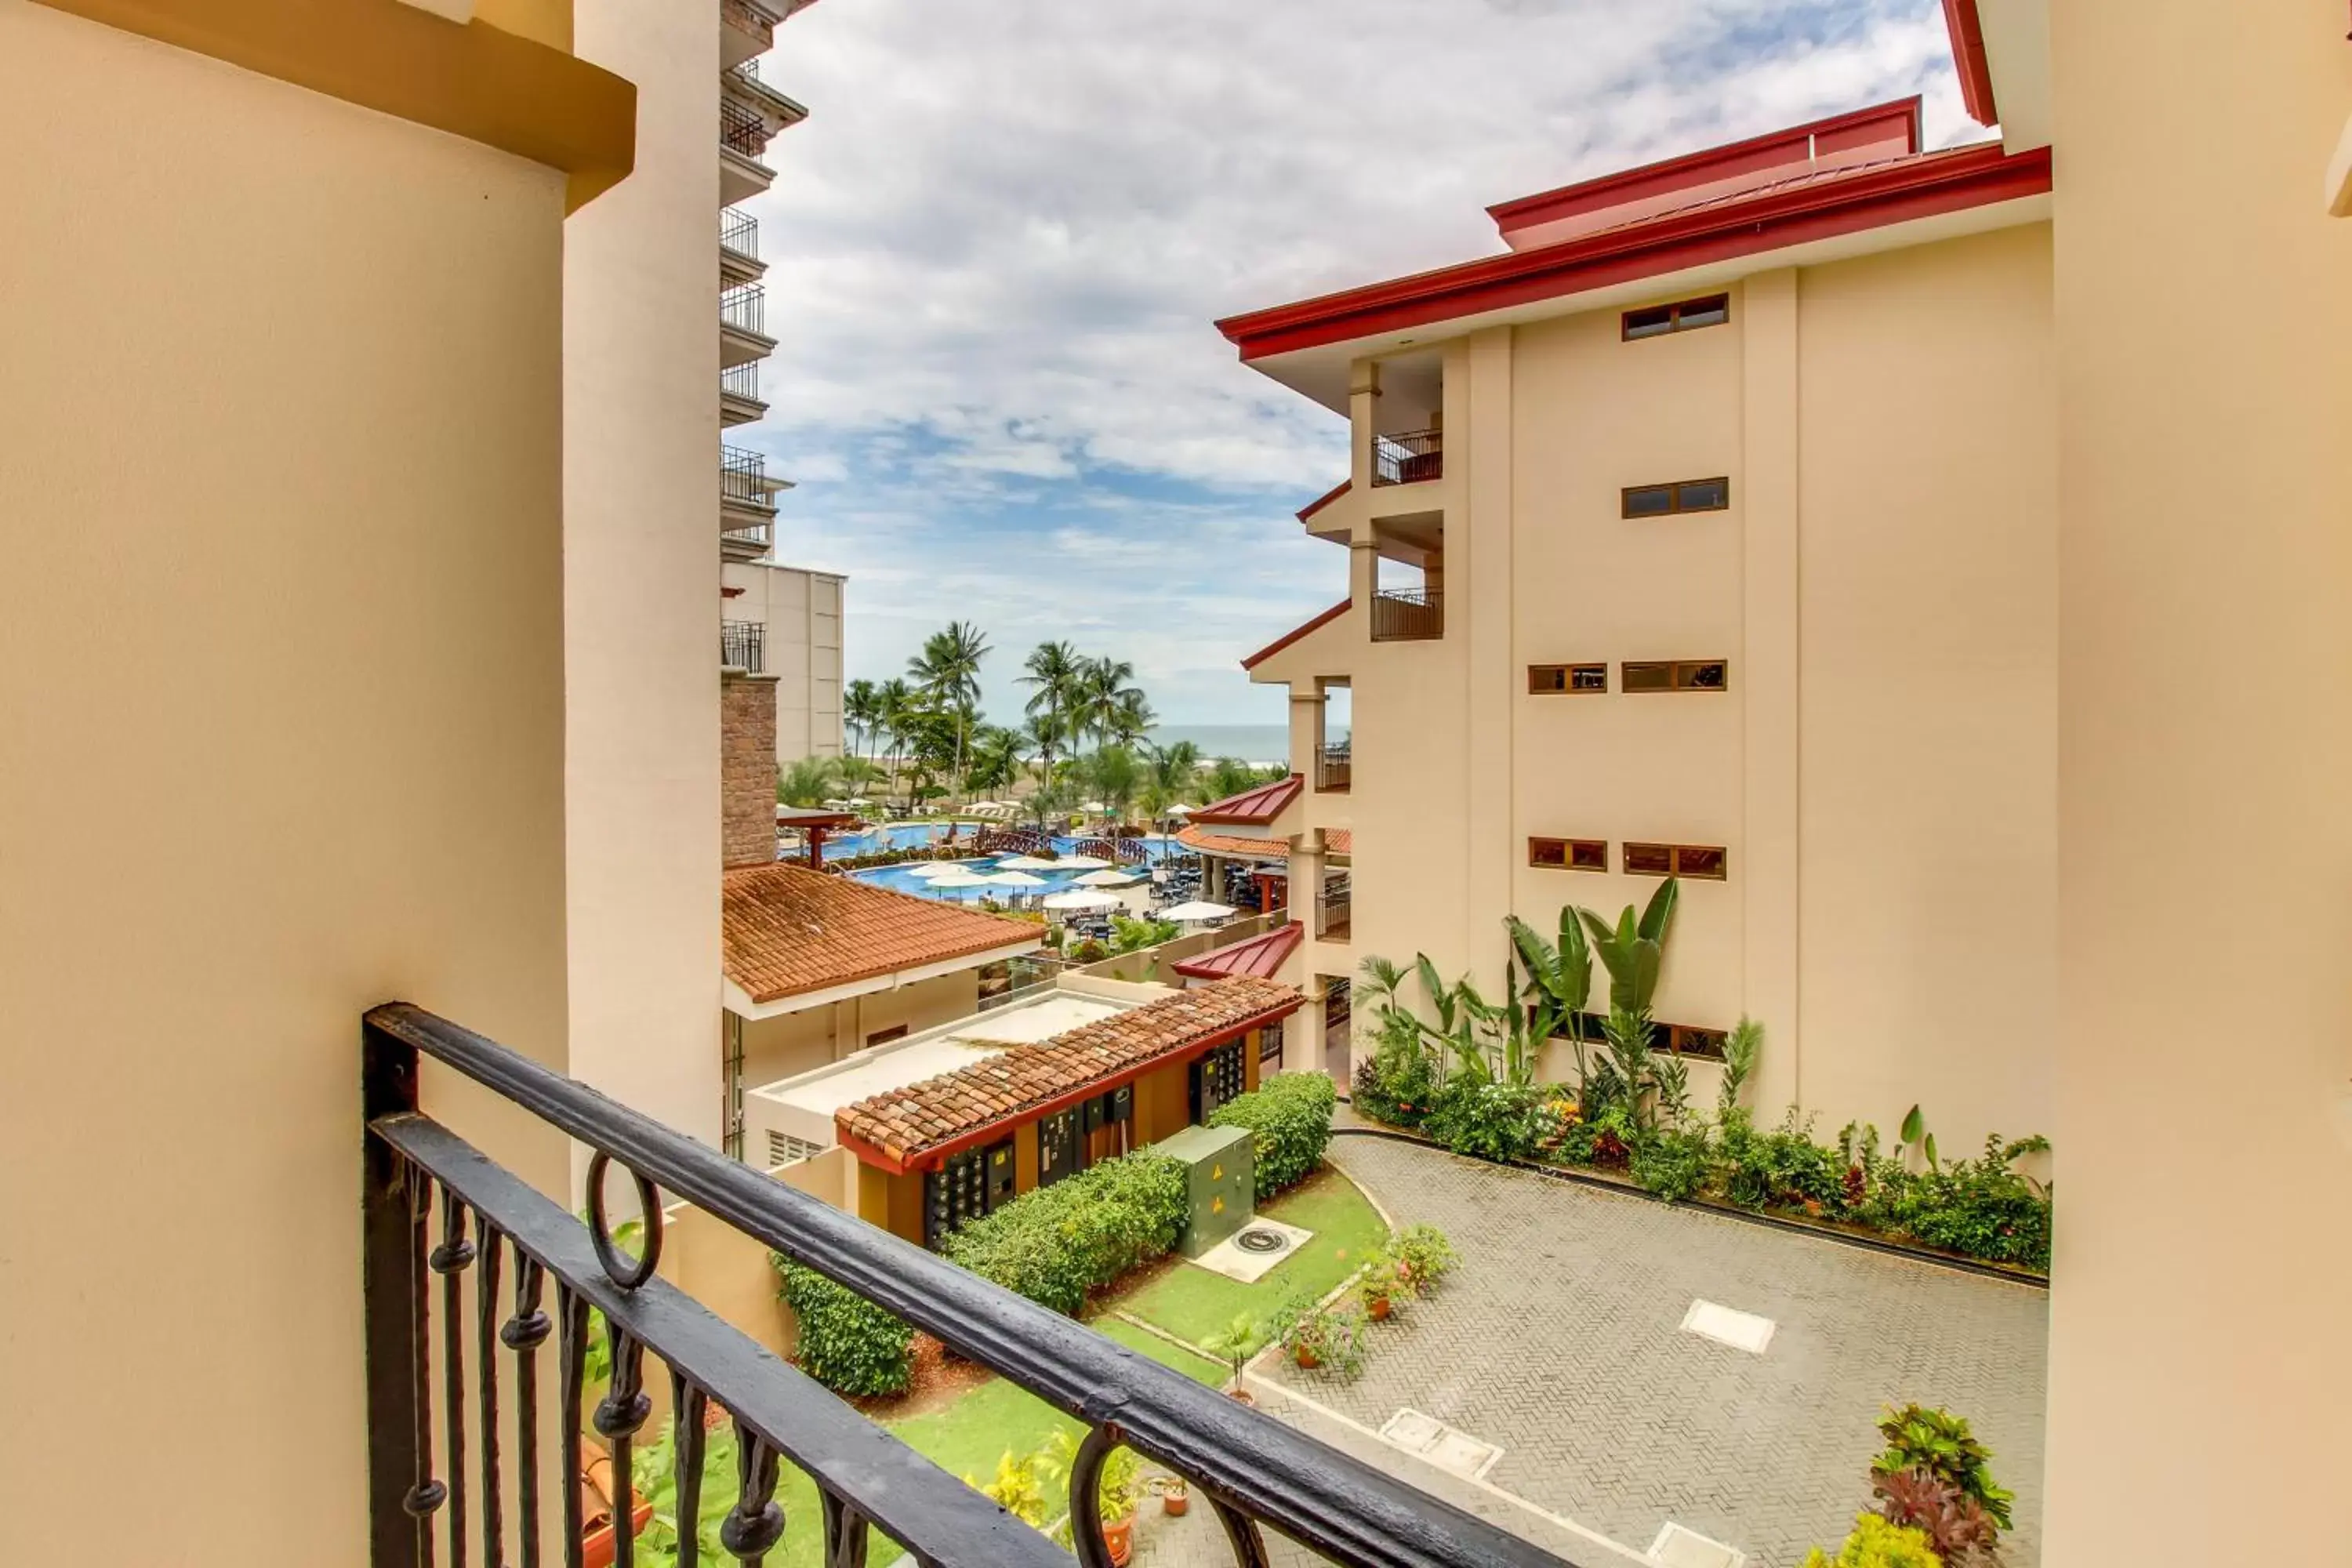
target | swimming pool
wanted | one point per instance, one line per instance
(888, 836)
(902, 879)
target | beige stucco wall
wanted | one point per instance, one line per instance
(1881, 769)
(2204, 1248)
(641, 679)
(802, 611)
(282, 708)
(794, 1042)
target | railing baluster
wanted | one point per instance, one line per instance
(573, 1311)
(523, 1334)
(687, 1405)
(1241, 1529)
(847, 1532)
(486, 1323)
(756, 1522)
(619, 1414)
(1086, 1497)
(449, 1260)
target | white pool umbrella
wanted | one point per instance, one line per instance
(1014, 880)
(1107, 880)
(1197, 910)
(1179, 810)
(1077, 863)
(1027, 863)
(930, 870)
(962, 877)
(1084, 898)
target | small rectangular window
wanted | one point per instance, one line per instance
(1673, 499)
(1683, 316)
(1702, 861)
(1569, 854)
(1688, 1040)
(1675, 675)
(1649, 860)
(884, 1036)
(1554, 679)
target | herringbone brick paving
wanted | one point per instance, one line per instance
(1559, 1338)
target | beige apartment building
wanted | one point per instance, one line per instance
(1883, 540)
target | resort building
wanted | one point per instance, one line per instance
(1726, 525)
(1672, 549)
(947, 1124)
(820, 967)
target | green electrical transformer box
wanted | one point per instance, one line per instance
(1216, 1161)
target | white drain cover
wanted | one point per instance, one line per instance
(1447, 1447)
(1740, 1330)
(1677, 1547)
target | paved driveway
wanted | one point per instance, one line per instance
(1559, 1338)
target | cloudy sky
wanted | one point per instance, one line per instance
(996, 247)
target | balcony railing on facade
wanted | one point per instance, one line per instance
(741, 381)
(745, 308)
(1332, 911)
(739, 232)
(1408, 615)
(433, 1206)
(748, 543)
(743, 645)
(741, 131)
(744, 479)
(1334, 766)
(1338, 1007)
(1409, 457)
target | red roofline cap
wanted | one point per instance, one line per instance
(1967, 30)
(1323, 619)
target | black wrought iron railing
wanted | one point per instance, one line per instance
(744, 479)
(434, 1205)
(741, 380)
(1331, 911)
(1409, 457)
(738, 231)
(741, 131)
(1334, 766)
(1408, 615)
(743, 645)
(745, 305)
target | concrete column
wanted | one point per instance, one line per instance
(1306, 729)
(1363, 419)
(1478, 608)
(1765, 864)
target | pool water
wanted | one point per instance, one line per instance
(888, 836)
(903, 880)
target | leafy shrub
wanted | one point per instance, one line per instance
(846, 1343)
(1017, 1489)
(1289, 1119)
(1876, 1543)
(1938, 1442)
(1980, 1206)
(1057, 1243)
(1672, 1165)
(1426, 1255)
(1331, 1337)
(1475, 1116)
(1958, 1530)
(1784, 1166)
(1397, 1086)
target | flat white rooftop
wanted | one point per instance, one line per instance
(877, 1069)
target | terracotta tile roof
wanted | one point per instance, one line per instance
(1257, 804)
(1229, 844)
(1339, 841)
(1020, 1082)
(785, 930)
(1294, 633)
(1259, 956)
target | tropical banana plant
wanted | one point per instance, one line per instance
(1633, 950)
(1740, 1050)
(1559, 983)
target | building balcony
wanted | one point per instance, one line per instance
(739, 248)
(739, 395)
(1333, 767)
(742, 326)
(1409, 457)
(545, 1291)
(747, 27)
(1408, 615)
(1331, 911)
(746, 504)
(743, 645)
(742, 85)
(743, 138)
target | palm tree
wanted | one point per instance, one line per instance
(1171, 772)
(856, 773)
(1114, 775)
(1054, 669)
(1103, 688)
(949, 671)
(1230, 775)
(1045, 733)
(996, 756)
(894, 709)
(861, 705)
(807, 781)
(1132, 718)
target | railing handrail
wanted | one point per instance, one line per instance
(1409, 596)
(738, 231)
(741, 380)
(1408, 456)
(745, 305)
(1252, 1467)
(740, 129)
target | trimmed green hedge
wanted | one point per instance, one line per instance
(1057, 1243)
(1290, 1117)
(846, 1343)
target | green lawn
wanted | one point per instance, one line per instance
(1193, 1304)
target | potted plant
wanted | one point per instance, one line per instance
(1383, 1278)
(597, 1545)
(1175, 1496)
(1328, 1336)
(1234, 1344)
(1116, 1487)
(1423, 1258)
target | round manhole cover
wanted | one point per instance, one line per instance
(1259, 1241)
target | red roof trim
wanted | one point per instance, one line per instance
(1960, 20)
(1294, 634)
(1868, 197)
(1326, 498)
(1259, 956)
(1780, 148)
(1256, 805)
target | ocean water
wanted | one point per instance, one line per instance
(1267, 745)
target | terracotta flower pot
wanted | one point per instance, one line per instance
(1175, 1501)
(597, 1545)
(1241, 1396)
(1119, 1536)
(1307, 1359)
(1377, 1307)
